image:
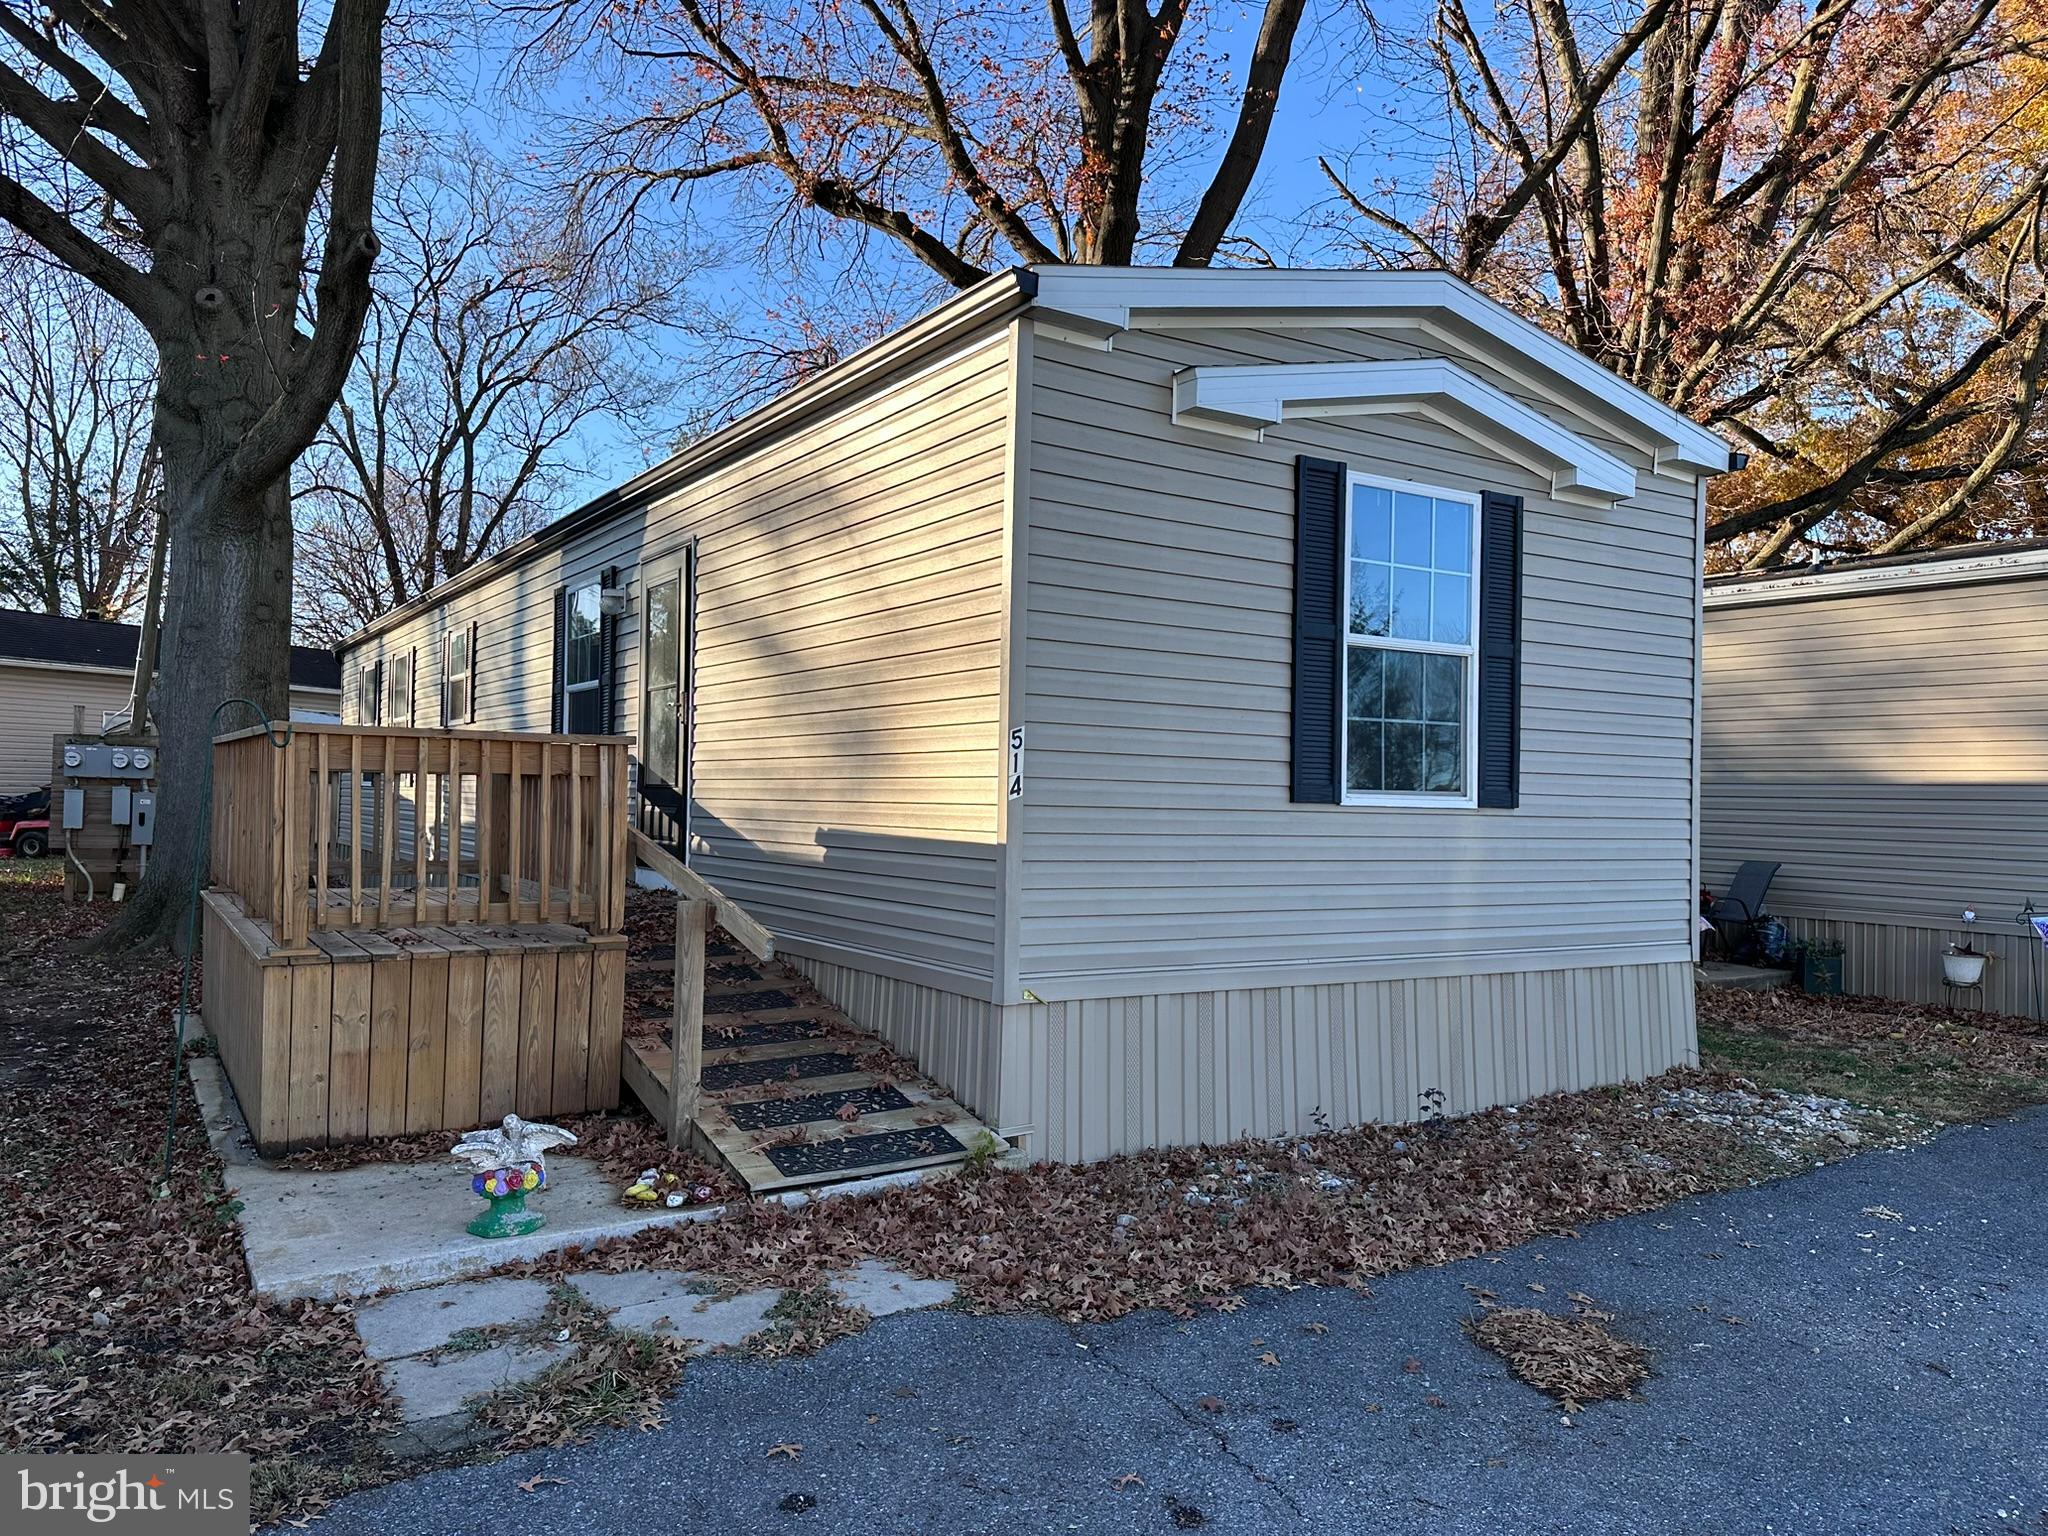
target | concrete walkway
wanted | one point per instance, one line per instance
(1860, 1349)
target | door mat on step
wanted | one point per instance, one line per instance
(748, 1002)
(765, 1113)
(733, 973)
(846, 1153)
(747, 1074)
(720, 1037)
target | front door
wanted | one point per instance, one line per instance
(665, 702)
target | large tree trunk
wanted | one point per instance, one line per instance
(227, 628)
(227, 605)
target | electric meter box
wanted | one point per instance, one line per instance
(142, 819)
(86, 760)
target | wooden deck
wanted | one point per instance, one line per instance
(793, 1094)
(388, 1032)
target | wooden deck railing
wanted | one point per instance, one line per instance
(374, 827)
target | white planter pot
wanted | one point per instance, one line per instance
(1962, 970)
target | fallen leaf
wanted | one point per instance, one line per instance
(1269, 1358)
(1315, 1327)
(1210, 1405)
(789, 1448)
(538, 1480)
(1128, 1480)
(1536, 1286)
(1433, 1401)
(1412, 1366)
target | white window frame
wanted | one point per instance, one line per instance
(570, 689)
(370, 673)
(1409, 799)
(410, 656)
(449, 714)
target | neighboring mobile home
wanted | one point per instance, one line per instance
(1880, 727)
(51, 666)
(1169, 704)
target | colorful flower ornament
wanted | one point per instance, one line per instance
(510, 1166)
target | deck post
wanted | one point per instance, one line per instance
(686, 1048)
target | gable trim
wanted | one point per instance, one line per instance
(1099, 302)
(1246, 400)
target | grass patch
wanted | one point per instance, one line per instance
(803, 1321)
(1930, 1064)
(617, 1377)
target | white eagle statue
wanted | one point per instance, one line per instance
(510, 1144)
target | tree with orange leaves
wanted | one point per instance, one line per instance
(972, 136)
(1816, 225)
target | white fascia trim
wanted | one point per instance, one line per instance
(1886, 578)
(1101, 301)
(1254, 397)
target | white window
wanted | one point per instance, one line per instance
(1411, 670)
(370, 693)
(458, 703)
(582, 662)
(398, 708)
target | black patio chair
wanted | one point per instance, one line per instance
(1736, 910)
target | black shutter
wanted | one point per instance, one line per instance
(607, 656)
(1318, 597)
(1500, 651)
(471, 719)
(555, 664)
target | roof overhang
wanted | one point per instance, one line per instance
(1246, 400)
(1854, 578)
(1093, 305)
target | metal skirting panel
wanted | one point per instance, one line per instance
(1903, 960)
(1076, 1081)
(1121, 1074)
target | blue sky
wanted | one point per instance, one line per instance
(1337, 101)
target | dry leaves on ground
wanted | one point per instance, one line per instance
(126, 1322)
(1577, 1360)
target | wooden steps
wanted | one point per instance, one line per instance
(784, 1127)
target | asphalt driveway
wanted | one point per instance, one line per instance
(1858, 1349)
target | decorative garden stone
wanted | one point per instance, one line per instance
(510, 1159)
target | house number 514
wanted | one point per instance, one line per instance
(1017, 763)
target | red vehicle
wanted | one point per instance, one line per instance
(25, 824)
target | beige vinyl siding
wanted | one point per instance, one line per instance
(36, 703)
(1158, 842)
(847, 641)
(1890, 749)
(1111, 1075)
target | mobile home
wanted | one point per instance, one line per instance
(1878, 727)
(1169, 704)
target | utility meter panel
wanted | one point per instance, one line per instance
(84, 760)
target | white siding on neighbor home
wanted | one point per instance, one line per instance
(1890, 749)
(848, 636)
(1159, 847)
(36, 704)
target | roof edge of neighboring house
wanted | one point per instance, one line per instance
(61, 642)
(1958, 565)
(998, 298)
